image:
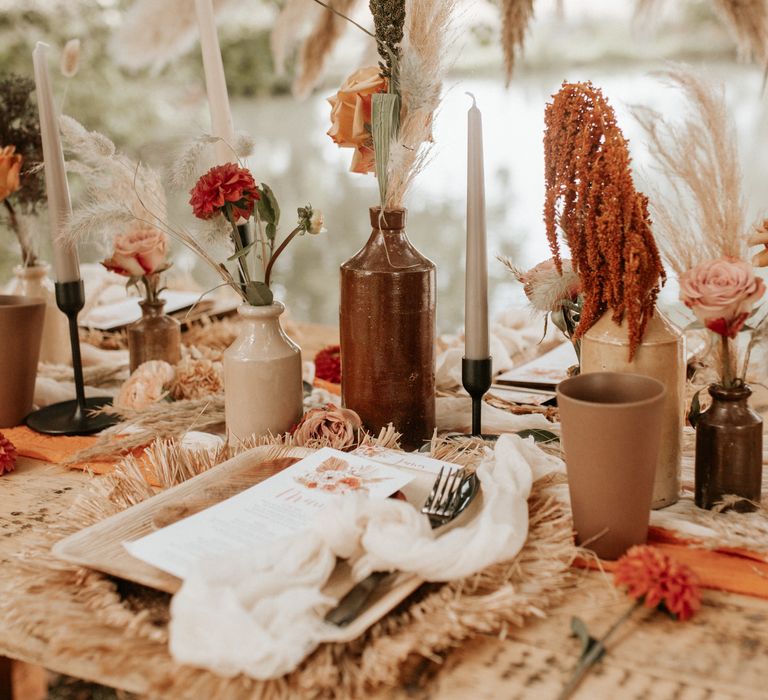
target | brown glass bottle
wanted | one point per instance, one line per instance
(729, 449)
(155, 336)
(387, 325)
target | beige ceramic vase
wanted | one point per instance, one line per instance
(262, 376)
(661, 355)
(35, 281)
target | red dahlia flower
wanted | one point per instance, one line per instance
(7, 455)
(223, 185)
(659, 581)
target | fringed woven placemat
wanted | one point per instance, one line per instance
(86, 614)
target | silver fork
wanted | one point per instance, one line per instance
(441, 506)
(444, 498)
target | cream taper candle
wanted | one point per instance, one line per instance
(66, 265)
(476, 345)
(215, 83)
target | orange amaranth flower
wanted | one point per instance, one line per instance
(658, 580)
(7, 455)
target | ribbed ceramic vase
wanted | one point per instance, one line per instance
(262, 376)
(387, 325)
(35, 281)
(21, 330)
(661, 355)
(155, 336)
(729, 450)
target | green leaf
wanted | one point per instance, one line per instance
(258, 294)
(242, 252)
(543, 436)
(695, 411)
(385, 123)
(269, 209)
(579, 629)
(271, 231)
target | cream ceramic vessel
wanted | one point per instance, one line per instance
(35, 282)
(262, 376)
(661, 355)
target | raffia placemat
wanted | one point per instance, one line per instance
(124, 623)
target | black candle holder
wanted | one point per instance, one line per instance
(72, 417)
(477, 376)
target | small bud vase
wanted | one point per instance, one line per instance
(729, 450)
(661, 355)
(35, 281)
(262, 376)
(387, 327)
(155, 336)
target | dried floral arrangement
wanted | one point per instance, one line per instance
(555, 293)
(591, 199)
(701, 217)
(385, 113)
(516, 15)
(22, 186)
(126, 200)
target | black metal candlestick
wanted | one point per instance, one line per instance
(72, 417)
(476, 376)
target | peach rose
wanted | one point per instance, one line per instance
(722, 293)
(329, 426)
(148, 384)
(351, 116)
(10, 167)
(140, 251)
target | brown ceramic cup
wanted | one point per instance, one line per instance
(21, 331)
(611, 430)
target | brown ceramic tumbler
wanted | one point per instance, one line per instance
(21, 331)
(611, 430)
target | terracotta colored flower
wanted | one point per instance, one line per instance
(328, 364)
(10, 167)
(7, 455)
(722, 293)
(650, 575)
(351, 116)
(329, 426)
(223, 185)
(139, 251)
(760, 237)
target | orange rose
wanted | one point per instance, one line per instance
(10, 166)
(351, 116)
(140, 251)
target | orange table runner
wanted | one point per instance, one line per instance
(726, 569)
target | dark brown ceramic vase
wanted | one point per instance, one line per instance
(729, 450)
(155, 336)
(387, 324)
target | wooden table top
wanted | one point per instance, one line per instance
(721, 654)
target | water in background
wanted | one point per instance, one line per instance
(300, 162)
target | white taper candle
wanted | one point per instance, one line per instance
(215, 82)
(476, 346)
(66, 266)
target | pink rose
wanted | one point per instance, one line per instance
(330, 426)
(139, 251)
(722, 293)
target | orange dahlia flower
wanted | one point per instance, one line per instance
(222, 186)
(659, 581)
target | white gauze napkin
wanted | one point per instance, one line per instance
(261, 613)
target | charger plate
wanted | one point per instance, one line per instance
(100, 546)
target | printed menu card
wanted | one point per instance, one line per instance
(278, 506)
